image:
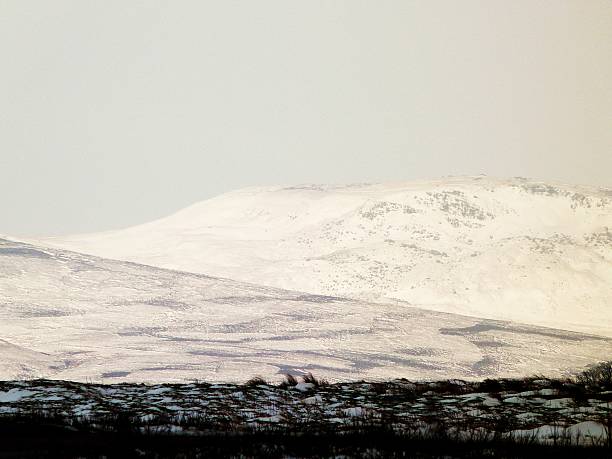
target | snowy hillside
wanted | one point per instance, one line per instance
(512, 249)
(79, 317)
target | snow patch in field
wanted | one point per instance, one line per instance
(14, 395)
(304, 387)
(354, 411)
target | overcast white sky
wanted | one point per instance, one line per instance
(117, 112)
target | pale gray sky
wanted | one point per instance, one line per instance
(117, 112)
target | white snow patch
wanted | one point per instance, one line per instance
(354, 411)
(14, 395)
(304, 387)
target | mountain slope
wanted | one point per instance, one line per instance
(512, 249)
(21, 363)
(78, 317)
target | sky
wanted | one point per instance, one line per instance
(114, 113)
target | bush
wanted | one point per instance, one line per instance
(490, 385)
(256, 381)
(289, 381)
(309, 378)
(452, 387)
(598, 376)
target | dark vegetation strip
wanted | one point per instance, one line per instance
(43, 438)
(39, 430)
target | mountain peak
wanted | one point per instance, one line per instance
(511, 249)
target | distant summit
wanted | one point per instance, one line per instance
(512, 249)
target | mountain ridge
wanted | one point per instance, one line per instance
(502, 249)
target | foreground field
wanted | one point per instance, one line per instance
(517, 417)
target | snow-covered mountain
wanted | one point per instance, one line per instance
(71, 316)
(516, 249)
